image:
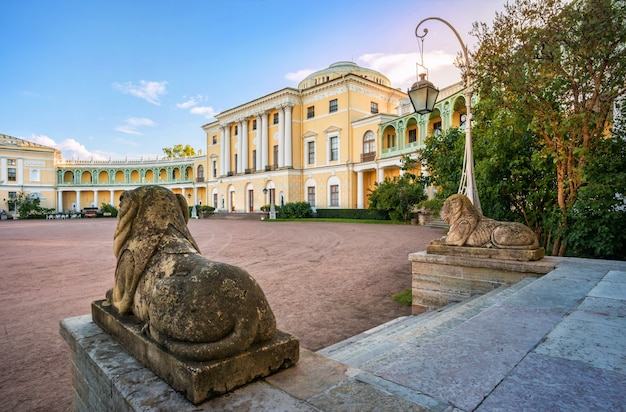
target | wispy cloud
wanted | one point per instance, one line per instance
(191, 103)
(401, 68)
(132, 124)
(147, 90)
(298, 76)
(70, 148)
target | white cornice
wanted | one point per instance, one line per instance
(282, 98)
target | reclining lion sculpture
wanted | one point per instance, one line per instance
(468, 227)
(197, 309)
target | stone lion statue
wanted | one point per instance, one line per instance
(468, 227)
(197, 309)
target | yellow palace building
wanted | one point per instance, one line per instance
(326, 142)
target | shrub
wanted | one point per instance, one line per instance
(107, 208)
(366, 214)
(294, 210)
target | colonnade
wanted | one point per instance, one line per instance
(285, 152)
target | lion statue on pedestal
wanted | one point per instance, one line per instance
(468, 227)
(195, 308)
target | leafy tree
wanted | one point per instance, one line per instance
(443, 154)
(562, 66)
(398, 196)
(179, 151)
(598, 217)
(29, 206)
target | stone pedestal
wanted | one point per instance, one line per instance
(198, 381)
(439, 279)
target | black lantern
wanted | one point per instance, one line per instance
(423, 95)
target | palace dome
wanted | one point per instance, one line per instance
(340, 69)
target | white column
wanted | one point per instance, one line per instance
(380, 175)
(288, 151)
(264, 140)
(78, 207)
(226, 149)
(281, 137)
(222, 152)
(112, 197)
(95, 197)
(259, 144)
(20, 171)
(244, 145)
(239, 147)
(360, 203)
(3, 169)
(60, 201)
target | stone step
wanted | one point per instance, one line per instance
(368, 349)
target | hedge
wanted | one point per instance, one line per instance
(350, 214)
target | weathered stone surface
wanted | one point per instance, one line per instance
(198, 381)
(441, 279)
(195, 308)
(468, 227)
(481, 252)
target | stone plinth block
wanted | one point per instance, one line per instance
(438, 280)
(198, 381)
(482, 252)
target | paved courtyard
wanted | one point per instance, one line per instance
(324, 281)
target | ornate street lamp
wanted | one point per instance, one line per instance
(423, 95)
(468, 181)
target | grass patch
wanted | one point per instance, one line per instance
(404, 298)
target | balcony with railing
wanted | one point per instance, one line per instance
(368, 157)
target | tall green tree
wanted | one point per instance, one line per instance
(179, 151)
(443, 155)
(562, 65)
(397, 197)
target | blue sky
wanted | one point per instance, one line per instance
(116, 79)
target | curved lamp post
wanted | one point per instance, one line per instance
(423, 92)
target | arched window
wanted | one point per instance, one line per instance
(200, 173)
(369, 142)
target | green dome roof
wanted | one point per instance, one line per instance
(339, 69)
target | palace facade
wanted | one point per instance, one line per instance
(326, 142)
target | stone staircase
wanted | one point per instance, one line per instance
(373, 349)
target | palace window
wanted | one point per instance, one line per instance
(215, 139)
(254, 124)
(236, 130)
(254, 159)
(412, 135)
(200, 172)
(373, 107)
(334, 148)
(334, 196)
(310, 112)
(437, 128)
(214, 167)
(11, 171)
(310, 146)
(332, 106)
(310, 195)
(275, 118)
(369, 142)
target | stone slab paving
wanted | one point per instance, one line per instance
(558, 344)
(546, 383)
